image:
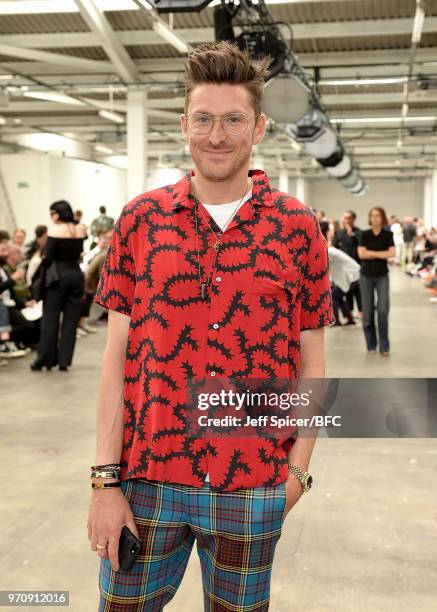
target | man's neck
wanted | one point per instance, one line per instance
(220, 192)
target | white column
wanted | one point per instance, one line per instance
(430, 200)
(136, 142)
(301, 189)
(283, 180)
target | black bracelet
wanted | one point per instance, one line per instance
(105, 485)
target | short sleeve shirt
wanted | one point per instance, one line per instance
(376, 242)
(269, 283)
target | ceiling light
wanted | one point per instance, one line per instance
(370, 81)
(404, 109)
(102, 149)
(419, 18)
(380, 119)
(6, 77)
(169, 36)
(111, 116)
(26, 7)
(53, 96)
(2, 121)
(38, 6)
(399, 143)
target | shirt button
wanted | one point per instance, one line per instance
(212, 373)
(216, 326)
(218, 279)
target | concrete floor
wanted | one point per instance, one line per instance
(364, 539)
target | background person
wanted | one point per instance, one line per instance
(63, 249)
(100, 224)
(347, 239)
(375, 248)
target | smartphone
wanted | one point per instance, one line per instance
(128, 549)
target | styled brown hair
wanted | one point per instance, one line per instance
(223, 62)
(381, 212)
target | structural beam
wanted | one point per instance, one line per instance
(333, 64)
(301, 31)
(77, 63)
(123, 64)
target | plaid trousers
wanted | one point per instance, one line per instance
(236, 534)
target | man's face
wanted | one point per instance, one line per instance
(348, 219)
(104, 240)
(15, 256)
(219, 156)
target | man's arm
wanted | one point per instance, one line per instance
(110, 407)
(109, 509)
(364, 253)
(312, 349)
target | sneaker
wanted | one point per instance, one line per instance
(22, 347)
(8, 350)
(81, 333)
(351, 322)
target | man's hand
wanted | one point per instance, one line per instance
(109, 511)
(30, 303)
(18, 275)
(293, 492)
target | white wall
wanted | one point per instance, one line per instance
(46, 178)
(402, 198)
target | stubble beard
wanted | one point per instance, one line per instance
(216, 175)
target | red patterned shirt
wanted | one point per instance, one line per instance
(269, 283)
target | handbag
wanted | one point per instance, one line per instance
(37, 284)
(43, 278)
(51, 275)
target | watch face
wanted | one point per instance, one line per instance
(309, 482)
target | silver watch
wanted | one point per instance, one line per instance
(306, 480)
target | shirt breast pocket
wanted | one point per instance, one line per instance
(275, 277)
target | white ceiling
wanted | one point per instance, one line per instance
(97, 54)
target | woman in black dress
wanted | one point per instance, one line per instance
(64, 293)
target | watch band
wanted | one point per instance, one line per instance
(306, 480)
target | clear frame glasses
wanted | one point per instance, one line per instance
(232, 123)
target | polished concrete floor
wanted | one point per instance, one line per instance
(364, 539)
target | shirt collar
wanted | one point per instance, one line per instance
(261, 191)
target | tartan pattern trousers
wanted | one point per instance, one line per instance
(236, 534)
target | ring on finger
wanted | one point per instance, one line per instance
(100, 547)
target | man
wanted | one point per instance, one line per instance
(347, 239)
(92, 264)
(101, 224)
(410, 233)
(187, 299)
(24, 333)
(13, 263)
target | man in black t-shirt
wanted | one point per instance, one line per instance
(410, 233)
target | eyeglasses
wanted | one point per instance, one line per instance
(232, 123)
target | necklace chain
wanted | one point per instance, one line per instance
(216, 245)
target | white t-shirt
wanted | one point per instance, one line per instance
(221, 214)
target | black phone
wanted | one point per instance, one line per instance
(128, 548)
